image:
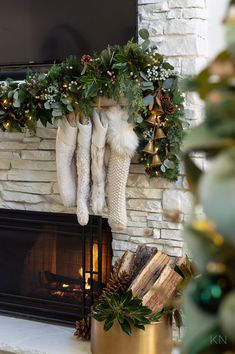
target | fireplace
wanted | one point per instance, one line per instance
(51, 268)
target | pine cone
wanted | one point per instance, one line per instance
(117, 281)
(164, 98)
(169, 108)
(83, 329)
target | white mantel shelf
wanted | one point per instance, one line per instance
(19, 336)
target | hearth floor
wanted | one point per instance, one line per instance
(18, 336)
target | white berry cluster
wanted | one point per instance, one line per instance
(158, 73)
(147, 134)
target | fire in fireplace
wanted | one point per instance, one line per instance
(51, 268)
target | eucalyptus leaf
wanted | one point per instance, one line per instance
(56, 113)
(148, 99)
(144, 33)
(70, 108)
(47, 105)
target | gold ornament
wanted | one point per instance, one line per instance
(156, 161)
(160, 134)
(154, 119)
(150, 148)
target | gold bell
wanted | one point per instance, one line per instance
(160, 134)
(150, 148)
(152, 120)
(156, 161)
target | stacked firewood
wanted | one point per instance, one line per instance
(153, 275)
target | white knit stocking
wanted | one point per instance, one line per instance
(66, 173)
(83, 171)
(100, 128)
(123, 143)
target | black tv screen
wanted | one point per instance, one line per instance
(39, 32)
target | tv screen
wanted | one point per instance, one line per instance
(40, 32)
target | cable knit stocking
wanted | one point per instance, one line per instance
(100, 128)
(66, 173)
(83, 171)
(123, 143)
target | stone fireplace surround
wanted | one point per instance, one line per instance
(27, 163)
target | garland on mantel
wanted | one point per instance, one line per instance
(137, 72)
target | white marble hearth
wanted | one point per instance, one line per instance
(18, 336)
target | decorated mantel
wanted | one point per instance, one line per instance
(105, 106)
(97, 92)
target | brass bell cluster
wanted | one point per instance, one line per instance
(158, 134)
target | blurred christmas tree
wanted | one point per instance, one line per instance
(209, 302)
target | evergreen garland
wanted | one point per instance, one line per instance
(135, 72)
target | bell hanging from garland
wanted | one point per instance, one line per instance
(156, 161)
(150, 148)
(160, 134)
(154, 119)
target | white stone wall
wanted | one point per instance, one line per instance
(27, 164)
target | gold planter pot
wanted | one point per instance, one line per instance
(156, 339)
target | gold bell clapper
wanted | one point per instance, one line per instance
(156, 161)
(160, 134)
(154, 119)
(150, 148)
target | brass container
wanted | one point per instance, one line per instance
(156, 339)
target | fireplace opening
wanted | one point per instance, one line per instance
(51, 268)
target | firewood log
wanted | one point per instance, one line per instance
(149, 274)
(142, 256)
(162, 290)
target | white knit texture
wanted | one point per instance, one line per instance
(83, 172)
(66, 173)
(118, 171)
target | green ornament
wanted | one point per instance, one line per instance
(209, 290)
(217, 194)
(227, 315)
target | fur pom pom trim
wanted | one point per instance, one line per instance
(121, 136)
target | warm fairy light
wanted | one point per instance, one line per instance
(6, 125)
(30, 117)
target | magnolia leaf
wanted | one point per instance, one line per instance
(108, 325)
(144, 34)
(126, 327)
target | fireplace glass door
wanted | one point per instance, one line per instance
(51, 268)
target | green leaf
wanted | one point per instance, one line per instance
(126, 328)
(144, 34)
(146, 44)
(167, 84)
(47, 105)
(108, 325)
(70, 108)
(148, 99)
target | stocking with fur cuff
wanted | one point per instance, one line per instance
(66, 140)
(83, 171)
(99, 133)
(123, 143)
